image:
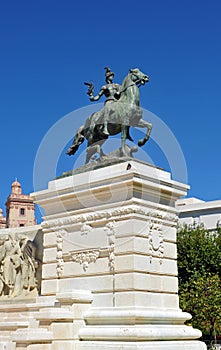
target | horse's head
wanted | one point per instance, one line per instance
(129, 89)
(138, 77)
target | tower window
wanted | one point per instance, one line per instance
(21, 225)
(22, 211)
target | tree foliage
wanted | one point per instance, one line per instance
(199, 267)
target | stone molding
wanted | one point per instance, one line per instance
(114, 214)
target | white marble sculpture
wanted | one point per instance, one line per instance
(17, 266)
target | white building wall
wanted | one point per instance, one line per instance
(193, 210)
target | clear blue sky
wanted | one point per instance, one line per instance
(49, 48)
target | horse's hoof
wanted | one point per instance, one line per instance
(68, 152)
(140, 143)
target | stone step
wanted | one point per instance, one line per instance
(134, 315)
(32, 335)
(14, 306)
(13, 325)
(55, 314)
(139, 333)
(161, 345)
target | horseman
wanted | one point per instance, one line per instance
(121, 111)
(112, 93)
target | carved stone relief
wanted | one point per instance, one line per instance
(156, 240)
(18, 266)
(111, 258)
(110, 229)
(85, 258)
(59, 255)
(85, 229)
(155, 218)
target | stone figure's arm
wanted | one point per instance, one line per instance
(90, 92)
(2, 253)
(16, 249)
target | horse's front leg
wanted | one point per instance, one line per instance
(93, 148)
(143, 124)
(123, 139)
(90, 151)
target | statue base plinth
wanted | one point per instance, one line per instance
(112, 231)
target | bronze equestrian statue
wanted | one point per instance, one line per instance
(121, 111)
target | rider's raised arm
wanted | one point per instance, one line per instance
(98, 96)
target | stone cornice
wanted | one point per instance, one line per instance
(112, 214)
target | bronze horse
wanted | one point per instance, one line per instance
(121, 115)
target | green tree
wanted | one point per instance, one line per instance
(199, 267)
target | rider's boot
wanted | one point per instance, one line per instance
(105, 130)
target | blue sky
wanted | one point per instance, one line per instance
(49, 48)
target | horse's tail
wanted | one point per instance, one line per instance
(78, 140)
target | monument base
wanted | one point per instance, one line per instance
(112, 232)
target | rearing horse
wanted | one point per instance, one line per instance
(121, 115)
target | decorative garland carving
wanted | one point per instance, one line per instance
(59, 255)
(111, 258)
(85, 258)
(110, 228)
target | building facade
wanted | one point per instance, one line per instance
(20, 210)
(196, 211)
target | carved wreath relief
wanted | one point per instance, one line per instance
(156, 241)
(18, 266)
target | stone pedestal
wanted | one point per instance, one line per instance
(112, 231)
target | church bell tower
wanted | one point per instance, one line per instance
(19, 208)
